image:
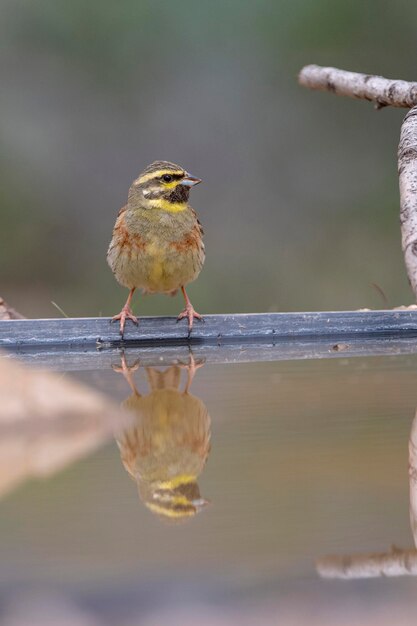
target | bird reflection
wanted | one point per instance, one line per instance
(167, 445)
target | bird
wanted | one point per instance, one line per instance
(166, 445)
(157, 243)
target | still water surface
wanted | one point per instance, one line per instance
(218, 498)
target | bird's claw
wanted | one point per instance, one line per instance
(127, 371)
(190, 313)
(193, 364)
(125, 313)
(124, 368)
(191, 368)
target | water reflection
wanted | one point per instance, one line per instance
(167, 445)
(48, 423)
(395, 561)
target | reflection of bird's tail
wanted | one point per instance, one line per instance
(162, 380)
(174, 499)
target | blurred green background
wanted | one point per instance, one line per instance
(300, 196)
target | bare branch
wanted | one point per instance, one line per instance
(412, 472)
(382, 91)
(407, 172)
(396, 562)
(373, 565)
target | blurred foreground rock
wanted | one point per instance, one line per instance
(48, 422)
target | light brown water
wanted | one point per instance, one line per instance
(306, 459)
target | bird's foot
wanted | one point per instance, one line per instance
(125, 313)
(190, 313)
(191, 368)
(124, 368)
(127, 371)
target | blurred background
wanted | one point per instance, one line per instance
(300, 208)
(300, 197)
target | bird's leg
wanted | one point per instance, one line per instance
(127, 370)
(189, 311)
(191, 368)
(126, 313)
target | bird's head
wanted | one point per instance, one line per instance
(175, 499)
(163, 185)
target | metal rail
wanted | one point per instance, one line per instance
(99, 332)
(94, 343)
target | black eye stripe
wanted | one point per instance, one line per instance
(170, 177)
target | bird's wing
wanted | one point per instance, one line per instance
(200, 228)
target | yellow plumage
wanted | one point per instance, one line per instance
(157, 242)
(166, 447)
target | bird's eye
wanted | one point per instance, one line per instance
(167, 178)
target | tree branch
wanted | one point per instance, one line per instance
(407, 172)
(396, 562)
(382, 91)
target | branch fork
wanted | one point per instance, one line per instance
(383, 92)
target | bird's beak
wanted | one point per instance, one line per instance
(190, 181)
(199, 503)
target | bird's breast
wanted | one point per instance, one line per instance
(158, 255)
